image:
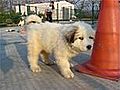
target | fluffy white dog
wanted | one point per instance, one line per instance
(30, 19)
(64, 41)
(33, 19)
(21, 23)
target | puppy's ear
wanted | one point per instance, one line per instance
(71, 34)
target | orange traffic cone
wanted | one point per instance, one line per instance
(105, 58)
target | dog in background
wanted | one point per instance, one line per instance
(29, 20)
(64, 41)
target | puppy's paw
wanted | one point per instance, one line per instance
(35, 68)
(68, 74)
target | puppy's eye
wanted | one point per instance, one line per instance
(81, 38)
(91, 37)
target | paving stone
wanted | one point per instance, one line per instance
(15, 74)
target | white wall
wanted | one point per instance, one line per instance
(65, 4)
(42, 6)
(23, 9)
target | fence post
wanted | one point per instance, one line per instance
(19, 8)
(92, 12)
(57, 12)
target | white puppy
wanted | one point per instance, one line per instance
(64, 41)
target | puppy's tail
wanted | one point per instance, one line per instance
(33, 19)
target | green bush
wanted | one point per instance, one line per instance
(16, 17)
(3, 24)
(10, 17)
(9, 21)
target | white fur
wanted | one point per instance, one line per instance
(46, 38)
(35, 18)
(21, 23)
(29, 19)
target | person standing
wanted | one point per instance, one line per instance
(49, 11)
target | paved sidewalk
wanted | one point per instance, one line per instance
(15, 74)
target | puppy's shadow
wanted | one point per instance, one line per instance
(53, 64)
(79, 59)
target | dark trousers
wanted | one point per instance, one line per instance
(49, 16)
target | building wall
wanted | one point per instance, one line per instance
(63, 9)
(23, 9)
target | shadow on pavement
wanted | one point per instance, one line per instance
(5, 62)
(22, 50)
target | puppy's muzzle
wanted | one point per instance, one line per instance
(89, 47)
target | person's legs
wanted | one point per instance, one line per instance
(50, 18)
(47, 18)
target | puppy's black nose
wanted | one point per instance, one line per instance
(89, 47)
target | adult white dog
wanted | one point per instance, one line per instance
(33, 19)
(30, 19)
(21, 23)
(64, 41)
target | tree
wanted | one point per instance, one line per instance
(86, 8)
(1, 6)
